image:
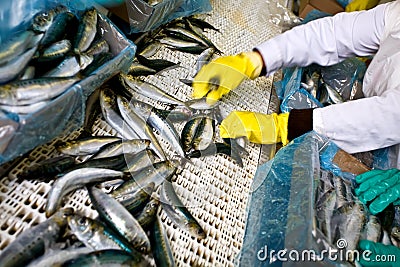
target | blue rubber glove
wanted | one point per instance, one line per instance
(381, 187)
(108, 3)
(378, 254)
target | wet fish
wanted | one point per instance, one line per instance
(149, 90)
(98, 47)
(185, 35)
(177, 211)
(74, 180)
(122, 147)
(140, 160)
(201, 23)
(15, 46)
(86, 31)
(150, 49)
(58, 28)
(157, 64)
(198, 134)
(56, 50)
(333, 94)
(98, 61)
(25, 109)
(201, 104)
(147, 216)
(183, 46)
(11, 70)
(161, 248)
(85, 146)
(107, 103)
(204, 58)
(31, 243)
(135, 201)
(27, 92)
(373, 229)
(69, 67)
(177, 114)
(138, 69)
(29, 73)
(41, 21)
(120, 219)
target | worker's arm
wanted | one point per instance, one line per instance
(325, 41)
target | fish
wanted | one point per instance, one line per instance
(55, 51)
(177, 114)
(42, 21)
(161, 247)
(98, 61)
(135, 201)
(139, 160)
(150, 49)
(96, 235)
(85, 146)
(373, 229)
(14, 67)
(202, 36)
(149, 90)
(116, 163)
(177, 211)
(28, 73)
(69, 67)
(86, 31)
(204, 58)
(107, 102)
(157, 174)
(59, 256)
(24, 109)
(15, 46)
(334, 95)
(98, 47)
(92, 111)
(147, 216)
(138, 69)
(198, 134)
(185, 35)
(121, 147)
(120, 219)
(139, 125)
(201, 23)
(32, 242)
(106, 257)
(201, 104)
(74, 180)
(58, 28)
(157, 64)
(183, 46)
(47, 169)
(30, 91)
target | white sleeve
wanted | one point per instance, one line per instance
(325, 41)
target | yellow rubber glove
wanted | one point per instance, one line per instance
(224, 74)
(257, 127)
(357, 5)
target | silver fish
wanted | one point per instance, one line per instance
(31, 243)
(25, 109)
(185, 34)
(149, 90)
(67, 68)
(41, 22)
(204, 58)
(58, 28)
(85, 146)
(373, 229)
(139, 161)
(76, 179)
(56, 50)
(107, 99)
(161, 247)
(139, 125)
(120, 147)
(333, 94)
(201, 104)
(177, 211)
(183, 46)
(98, 47)
(134, 201)
(86, 31)
(11, 70)
(120, 219)
(27, 92)
(146, 217)
(15, 46)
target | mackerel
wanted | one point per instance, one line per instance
(25, 109)
(56, 50)
(15, 46)
(11, 70)
(57, 30)
(162, 252)
(85, 146)
(122, 147)
(86, 31)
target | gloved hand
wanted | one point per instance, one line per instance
(224, 74)
(382, 187)
(108, 3)
(381, 255)
(357, 5)
(257, 127)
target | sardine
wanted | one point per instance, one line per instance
(139, 125)
(204, 58)
(56, 50)
(177, 211)
(201, 23)
(42, 21)
(98, 47)
(15, 46)
(74, 180)
(161, 248)
(183, 46)
(107, 101)
(185, 35)
(68, 67)
(11, 70)
(135, 201)
(58, 28)
(86, 31)
(201, 104)
(138, 69)
(25, 109)
(117, 163)
(157, 64)
(27, 92)
(147, 216)
(120, 219)
(373, 229)
(122, 147)
(157, 173)
(106, 257)
(96, 235)
(98, 61)
(140, 160)
(32, 242)
(85, 146)
(150, 49)
(149, 90)
(177, 114)
(92, 111)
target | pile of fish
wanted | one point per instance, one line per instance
(56, 51)
(340, 215)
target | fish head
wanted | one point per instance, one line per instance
(195, 229)
(42, 21)
(80, 224)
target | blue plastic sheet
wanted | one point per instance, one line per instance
(144, 17)
(21, 133)
(281, 204)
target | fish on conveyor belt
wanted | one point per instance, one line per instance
(135, 201)
(157, 64)
(205, 40)
(121, 147)
(107, 257)
(161, 247)
(198, 134)
(85, 146)
(139, 125)
(11, 70)
(59, 256)
(217, 148)
(139, 160)
(74, 180)
(201, 23)
(157, 174)
(45, 170)
(86, 31)
(108, 103)
(27, 92)
(204, 58)
(182, 45)
(149, 90)
(116, 163)
(32, 243)
(96, 235)
(147, 216)
(119, 219)
(177, 114)
(177, 211)
(138, 69)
